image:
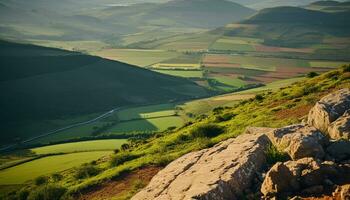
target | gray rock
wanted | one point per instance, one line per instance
(299, 141)
(218, 173)
(340, 128)
(329, 109)
(278, 180)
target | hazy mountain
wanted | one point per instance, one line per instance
(260, 4)
(187, 13)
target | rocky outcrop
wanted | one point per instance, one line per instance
(329, 109)
(232, 168)
(340, 128)
(306, 176)
(221, 172)
(279, 180)
(299, 141)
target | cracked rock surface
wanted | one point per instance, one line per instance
(217, 173)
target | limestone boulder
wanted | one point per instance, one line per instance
(279, 180)
(329, 109)
(340, 128)
(218, 173)
(299, 141)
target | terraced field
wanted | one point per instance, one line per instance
(94, 145)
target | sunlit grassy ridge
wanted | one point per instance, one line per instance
(269, 108)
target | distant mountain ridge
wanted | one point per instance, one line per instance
(300, 15)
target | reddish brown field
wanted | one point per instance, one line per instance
(286, 72)
(124, 184)
(271, 49)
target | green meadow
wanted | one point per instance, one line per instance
(27, 171)
(94, 145)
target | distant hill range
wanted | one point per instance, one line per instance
(41, 84)
(106, 20)
(292, 26)
(261, 4)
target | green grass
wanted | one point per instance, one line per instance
(273, 86)
(96, 145)
(44, 166)
(182, 73)
(327, 64)
(234, 82)
(189, 43)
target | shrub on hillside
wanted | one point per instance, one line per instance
(225, 117)
(259, 97)
(121, 158)
(207, 130)
(312, 74)
(56, 177)
(22, 194)
(47, 192)
(86, 171)
(41, 180)
(273, 155)
(346, 68)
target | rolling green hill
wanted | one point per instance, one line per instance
(41, 85)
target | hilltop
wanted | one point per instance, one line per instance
(41, 85)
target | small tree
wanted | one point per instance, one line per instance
(312, 74)
(41, 180)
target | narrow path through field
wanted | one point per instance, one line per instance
(62, 129)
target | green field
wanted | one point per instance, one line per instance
(199, 42)
(182, 73)
(137, 57)
(147, 125)
(30, 170)
(234, 82)
(146, 112)
(273, 86)
(96, 145)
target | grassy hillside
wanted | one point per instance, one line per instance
(44, 84)
(276, 108)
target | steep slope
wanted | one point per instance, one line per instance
(41, 84)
